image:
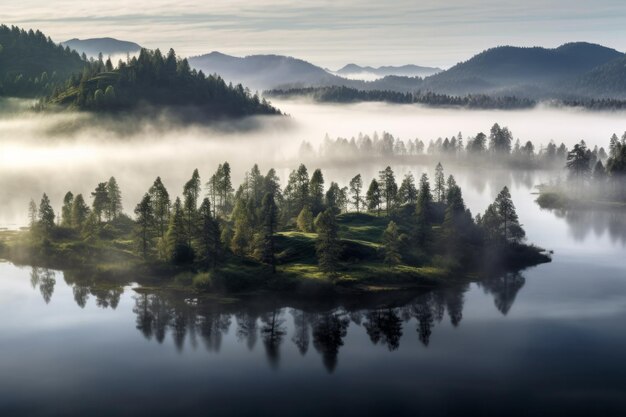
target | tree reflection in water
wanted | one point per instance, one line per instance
(382, 316)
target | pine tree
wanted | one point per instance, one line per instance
(191, 193)
(66, 210)
(178, 251)
(209, 234)
(373, 196)
(391, 244)
(145, 224)
(356, 185)
(423, 212)
(100, 200)
(32, 214)
(407, 194)
(511, 229)
(305, 220)
(388, 188)
(316, 192)
(327, 246)
(270, 219)
(160, 199)
(440, 183)
(46, 215)
(80, 211)
(114, 199)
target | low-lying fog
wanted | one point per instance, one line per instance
(60, 152)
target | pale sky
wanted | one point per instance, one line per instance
(330, 33)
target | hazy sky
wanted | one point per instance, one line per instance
(330, 33)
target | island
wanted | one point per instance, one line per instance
(305, 238)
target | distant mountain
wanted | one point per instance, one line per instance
(354, 71)
(608, 80)
(31, 64)
(106, 46)
(521, 70)
(261, 72)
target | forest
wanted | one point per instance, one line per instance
(342, 94)
(152, 79)
(262, 235)
(495, 149)
(591, 180)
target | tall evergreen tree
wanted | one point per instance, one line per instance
(356, 186)
(388, 188)
(373, 197)
(100, 200)
(407, 194)
(423, 212)
(191, 193)
(32, 214)
(327, 246)
(46, 215)
(178, 251)
(114, 199)
(145, 224)
(391, 244)
(269, 218)
(80, 211)
(511, 229)
(160, 199)
(66, 210)
(316, 192)
(440, 183)
(578, 162)
(209, 234)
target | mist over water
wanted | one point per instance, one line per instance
(54, 153)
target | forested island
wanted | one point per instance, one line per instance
(263, 236)
(496, 149)
(591, 181)
(343, 94)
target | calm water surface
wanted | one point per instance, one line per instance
(548, 341)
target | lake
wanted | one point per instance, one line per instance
(547, 341)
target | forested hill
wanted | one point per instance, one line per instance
(31, 64)
(153, 80)
(510, 67)
(608, 80)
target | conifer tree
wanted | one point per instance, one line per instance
(327, 245)
(423, 212)
(191, 193)
(178, 251)
(356, 186)
(32, 214)
(270, 219)
(511, 229)
(305, 220)
(114, 199)
(373, 197)
(440, 183)
(145, 224)
(66, 210)
(100, 200)
(209, 234)
(160, 199)
(46, 215)
(80, 211)
(388, 188)
(316, 192)
(407, 194)
(391, 244)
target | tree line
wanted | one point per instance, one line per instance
(498, 145)
(202, 228)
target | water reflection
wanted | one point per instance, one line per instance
(323, 325)
(584, 223)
